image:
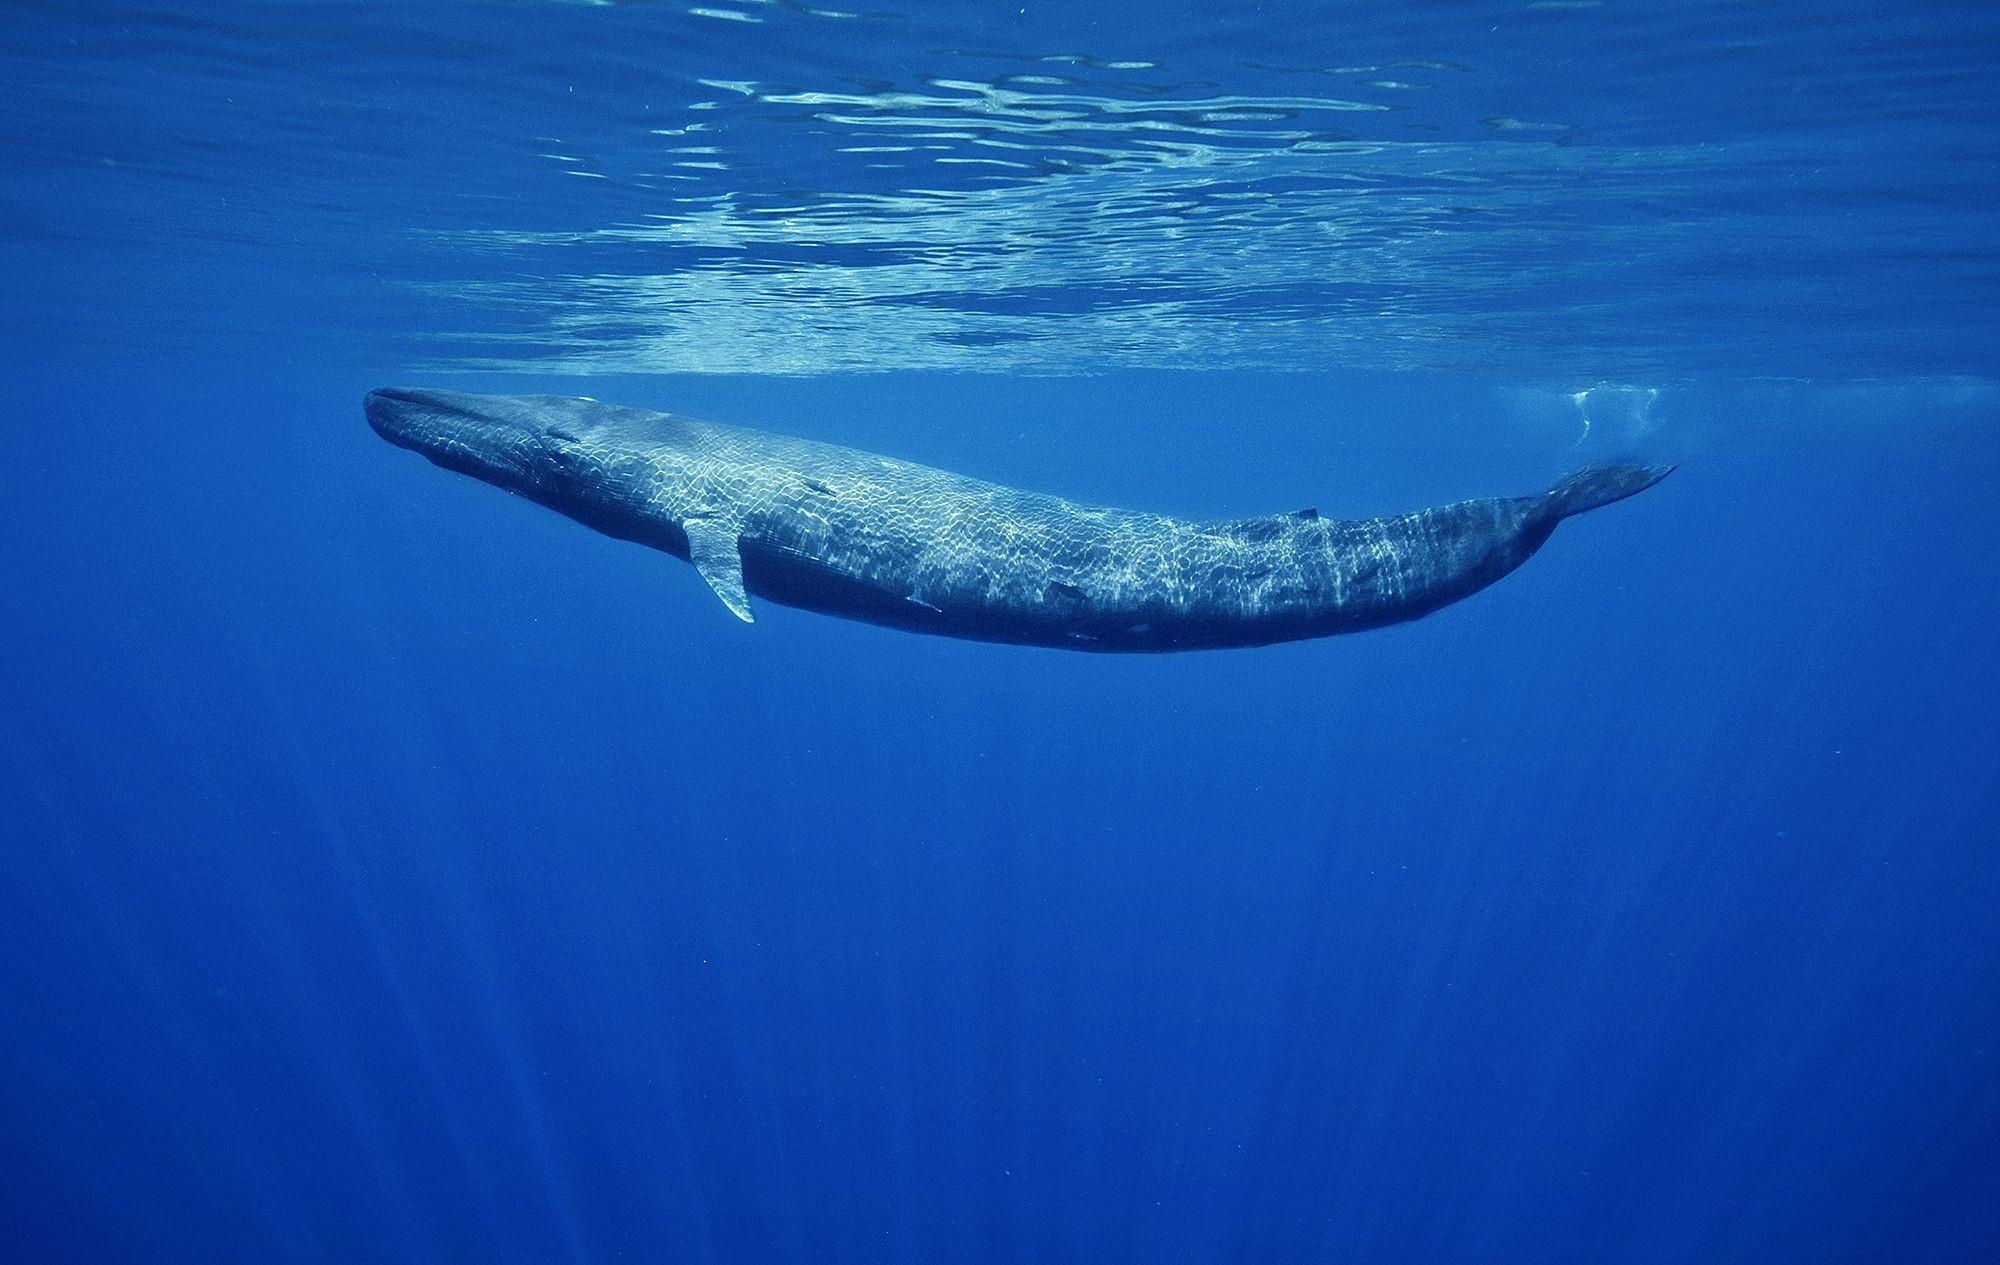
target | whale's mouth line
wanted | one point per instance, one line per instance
(385, 416)
(409, 418)
(386, 398)
(461, 433)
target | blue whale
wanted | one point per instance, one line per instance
(867, 537)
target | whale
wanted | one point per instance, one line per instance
(867, 537)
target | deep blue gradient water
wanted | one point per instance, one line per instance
(391, 870)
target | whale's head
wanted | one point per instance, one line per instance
(527, 444)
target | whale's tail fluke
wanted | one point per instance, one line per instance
(1593, 486)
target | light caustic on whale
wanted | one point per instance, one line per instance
(868, 537)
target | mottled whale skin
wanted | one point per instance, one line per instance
(867, 537)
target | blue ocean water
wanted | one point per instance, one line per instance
(391, 870)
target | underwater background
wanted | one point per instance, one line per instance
(391, 870)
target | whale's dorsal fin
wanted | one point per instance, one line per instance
(713, 547)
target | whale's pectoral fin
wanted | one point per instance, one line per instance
(713, 548)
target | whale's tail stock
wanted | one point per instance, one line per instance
(1593, 486)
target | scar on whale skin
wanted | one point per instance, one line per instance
(867, 537)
